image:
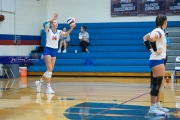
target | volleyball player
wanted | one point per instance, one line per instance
(50, 51)
(156, 62)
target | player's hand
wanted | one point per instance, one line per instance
(55, 16)
(73, 25)
(151, 50)
(159, 51)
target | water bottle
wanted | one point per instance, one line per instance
(75, 51)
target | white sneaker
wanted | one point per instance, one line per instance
(162, 109)
(59, 51)
(64, 51)
(49, 90)
(155, 111)
(38, 86)
(87, 51)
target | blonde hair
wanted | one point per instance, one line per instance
(51, 22)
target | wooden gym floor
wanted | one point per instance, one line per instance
(85, 98)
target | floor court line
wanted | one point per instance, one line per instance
(117, 105)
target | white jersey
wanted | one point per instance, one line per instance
(52, 38)
(160, 44)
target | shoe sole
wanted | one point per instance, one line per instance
(164, 111)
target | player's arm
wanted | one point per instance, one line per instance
(154, 36)
(45, 24)
(69, 31)
(146, 41)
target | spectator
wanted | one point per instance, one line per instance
(167, 40)
(84, 39)
(64, 41)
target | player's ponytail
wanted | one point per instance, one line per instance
(160, 20)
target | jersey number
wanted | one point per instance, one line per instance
(54, 38)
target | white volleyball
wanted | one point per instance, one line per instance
(70, 20)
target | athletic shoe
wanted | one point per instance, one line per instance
(162, 109)
(49, 90)
(64, 51)
(38, 86)
(59, 51)
(155, 111)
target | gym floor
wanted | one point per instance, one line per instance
(85, 98)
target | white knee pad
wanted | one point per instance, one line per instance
(48, 74)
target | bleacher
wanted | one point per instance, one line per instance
(115, 47)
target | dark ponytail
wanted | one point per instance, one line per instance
(160, 20)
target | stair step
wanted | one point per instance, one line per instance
(91, 69)
(171, 66)
(174, 39)
(173, 52)
(99, 62)
(175, 46)
(103, 55)
(171, 29)
(173, 34)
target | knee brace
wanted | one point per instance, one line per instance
(156, 84)
(48, 74)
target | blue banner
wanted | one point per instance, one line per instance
(18, 59)
(123, 8)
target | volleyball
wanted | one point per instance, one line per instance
(70, 20)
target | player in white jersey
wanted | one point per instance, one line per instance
(50, 51)
(157, 46)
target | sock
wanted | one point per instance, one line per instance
(41, 80)
(158, 104)
(48, 85)
(153, 105)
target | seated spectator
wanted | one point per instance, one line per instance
(84, 39)
(64, 42)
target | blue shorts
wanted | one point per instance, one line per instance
(153, 63)
(50, 51)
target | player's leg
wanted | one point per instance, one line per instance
(51, 66)
(47, 59)
(161, 88)
(158, 71)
